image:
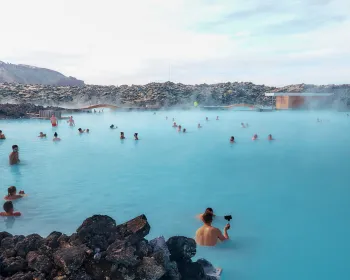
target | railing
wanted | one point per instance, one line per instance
(99, 106)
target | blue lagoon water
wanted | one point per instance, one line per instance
(289, 198)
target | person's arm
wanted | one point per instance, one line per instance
(200, 217)
(224, 236)
(12, 158)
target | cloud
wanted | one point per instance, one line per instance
(302, 24)
(137, 41)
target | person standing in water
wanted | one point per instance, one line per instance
(71, 121)
(2, 135)
(12, 193)
(14, 156)
(55, 137)
(232, 139)
(199, 125)
(179, 128)
(122, 137)
(208, 210)
(136, 136)
(255, 137)
(9, 210)
(207, 235)
(217, 118)
(270, 137)
(53, 120)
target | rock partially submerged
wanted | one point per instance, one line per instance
(100, 249)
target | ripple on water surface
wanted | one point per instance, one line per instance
(289, 198)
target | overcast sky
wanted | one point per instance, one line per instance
(191, 41)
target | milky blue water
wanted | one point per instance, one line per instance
(289, 198)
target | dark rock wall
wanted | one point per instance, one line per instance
(160, 94)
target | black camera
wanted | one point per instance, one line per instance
(228, 218)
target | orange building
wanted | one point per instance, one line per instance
(293, 100)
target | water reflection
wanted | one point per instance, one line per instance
(16, 173)
(9, 222)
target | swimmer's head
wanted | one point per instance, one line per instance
(112, 125)
(207, 218)
(55, 134)
(11, 190)
(121, 133)
(135, 134)
(8, 206)
(0, 131)
(232, 139)
(87, 130)
(209, 210)
(79, 129)
(15, 148)
(184, 130)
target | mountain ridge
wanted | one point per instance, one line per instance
(28, 74)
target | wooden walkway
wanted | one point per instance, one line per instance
(241, 105)
(99, 106)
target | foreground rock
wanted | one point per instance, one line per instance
(158, 94)
(100, 249)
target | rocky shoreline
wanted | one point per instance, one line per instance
(22, 111)
(100, 249)
(165, 95)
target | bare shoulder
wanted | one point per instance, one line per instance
(217, 231)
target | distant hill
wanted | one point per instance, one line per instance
(26, 74)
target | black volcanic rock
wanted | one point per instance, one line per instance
(181, 248)
(156, 95)
(38, 262)
(18, 111)
(70, 259)
(128, 254)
